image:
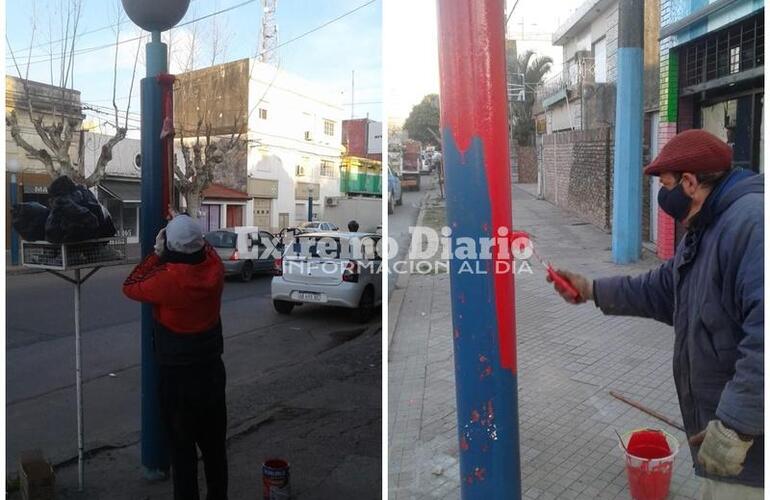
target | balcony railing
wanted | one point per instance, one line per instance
(575, 74)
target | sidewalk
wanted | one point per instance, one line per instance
(569, 358)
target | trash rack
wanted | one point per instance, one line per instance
(76, 257)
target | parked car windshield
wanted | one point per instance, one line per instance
(325, 248)
(222, 239)
(309, 225)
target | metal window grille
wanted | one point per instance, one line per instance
(328, 127)
(327, 168)
(734, 49)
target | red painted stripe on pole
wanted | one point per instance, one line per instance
(489, 121)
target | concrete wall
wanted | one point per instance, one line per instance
(612, 43)
(366, 211)
(651, 85)
(217, 96)
(577, 169)
(598, 106)
(123, 154)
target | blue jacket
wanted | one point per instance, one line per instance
(712, 292)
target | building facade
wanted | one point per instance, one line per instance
(120, 189)
(292, 131)
(52, 104)
(711, 77)
(575, 116)
(295, 146)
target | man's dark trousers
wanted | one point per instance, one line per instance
(192, 401)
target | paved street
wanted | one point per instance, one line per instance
(285, 378)
(405, 216)
(569, 358)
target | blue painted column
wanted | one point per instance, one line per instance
(155, 458)
(629, 117)
(14, 235)
(474, 134)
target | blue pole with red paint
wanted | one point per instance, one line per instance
(474, 129)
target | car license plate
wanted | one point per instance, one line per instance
(308, 296)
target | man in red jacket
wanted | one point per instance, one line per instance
(183, 280)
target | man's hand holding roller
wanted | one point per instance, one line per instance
(583, 285)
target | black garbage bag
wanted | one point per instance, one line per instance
(28, 220)
(76, 214)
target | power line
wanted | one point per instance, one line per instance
(327, 23)
(47, 58)
(96, 30)
(362, 102)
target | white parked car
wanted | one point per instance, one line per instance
(243, 250)
(316, 225)
(330, 268)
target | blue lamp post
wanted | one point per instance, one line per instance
(13, 169)
(154, 16)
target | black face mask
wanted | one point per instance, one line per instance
(674, 202)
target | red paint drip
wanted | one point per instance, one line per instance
(477, 107)
(475, 416)
(480, 473)
(464, 444)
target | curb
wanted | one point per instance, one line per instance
(402, 282)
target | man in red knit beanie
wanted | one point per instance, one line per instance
(712, 293)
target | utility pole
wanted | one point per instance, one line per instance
(353, 96)
(310, 205)
(627, 177)
(154, 16)
(474, 132)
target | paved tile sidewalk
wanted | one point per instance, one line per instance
(569, 357)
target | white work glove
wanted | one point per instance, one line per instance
(722, 452)
(160, 242)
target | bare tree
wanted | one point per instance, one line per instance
(200, 160)
(205, 141)
(58, 134)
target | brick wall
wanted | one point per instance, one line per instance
(527, 163)
(577, 169)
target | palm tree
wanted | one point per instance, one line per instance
(528, 70)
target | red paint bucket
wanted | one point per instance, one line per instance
(275, 480)
(650, 457)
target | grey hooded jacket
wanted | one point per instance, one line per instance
(712, 292)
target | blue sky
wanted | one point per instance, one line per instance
(327, 56)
